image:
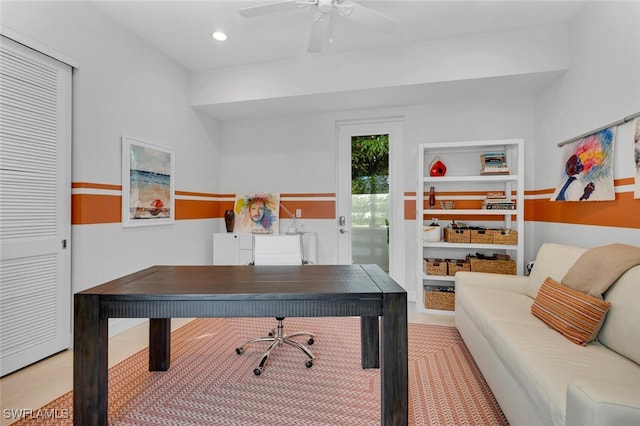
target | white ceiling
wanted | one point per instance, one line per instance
(182, 30)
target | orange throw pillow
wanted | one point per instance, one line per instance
(577, 316)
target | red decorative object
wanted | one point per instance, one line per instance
(437, 168)
(432, 197)
(157, 207)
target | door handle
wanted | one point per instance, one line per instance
(342, 221)
(343, 231)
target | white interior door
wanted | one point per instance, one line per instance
(344, 230)
(35, 204)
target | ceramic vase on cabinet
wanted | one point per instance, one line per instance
(229, 219)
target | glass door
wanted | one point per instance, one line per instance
(370, 196)
(370, 200)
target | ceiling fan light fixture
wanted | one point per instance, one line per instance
(326, 11)
(345, 7)
(219, 35)
(325, 6)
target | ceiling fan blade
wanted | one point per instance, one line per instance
(372, 18)
(265, 9)
(319, 32)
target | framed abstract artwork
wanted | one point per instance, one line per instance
(257, 213)
(147, 183)
(587, 169)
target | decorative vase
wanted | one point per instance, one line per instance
(229, 219)
(432, 197)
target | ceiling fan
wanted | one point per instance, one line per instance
(322, 28)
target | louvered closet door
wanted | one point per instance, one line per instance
(35, 219)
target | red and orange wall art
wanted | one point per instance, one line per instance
(587, 169)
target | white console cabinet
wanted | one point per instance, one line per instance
(230, 248)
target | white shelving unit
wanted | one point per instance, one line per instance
(464, 185)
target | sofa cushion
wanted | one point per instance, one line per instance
(484, 305)
(553, 260)
(575, 315)
(543, 362)
(588, 274)
(621, 329)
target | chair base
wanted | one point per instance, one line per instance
(278, 338)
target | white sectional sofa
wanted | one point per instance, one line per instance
(538, 376)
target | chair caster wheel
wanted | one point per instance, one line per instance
(309, 364)
(257, 371)
(239, 351)
(310, 341)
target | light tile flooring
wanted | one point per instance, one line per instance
(36, 385)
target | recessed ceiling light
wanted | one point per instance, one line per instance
(220, 36)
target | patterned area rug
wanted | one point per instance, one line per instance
(209, 384)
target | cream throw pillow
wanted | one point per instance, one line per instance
(599, 267)
(553, 260)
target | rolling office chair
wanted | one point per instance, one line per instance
(278, 250)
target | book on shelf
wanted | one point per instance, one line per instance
(448, 289)
(510, 205)
(495, 195)
(498, 201)
(494, 163)
(493, 158)
(494, 171)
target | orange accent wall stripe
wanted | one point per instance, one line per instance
(309, 195)
(547, 191)
(94, 209)
(195, 209)
(195, 194)
(622, 212)
(624, 181)
(463, 200)
(96, 186)
(96, 203)
(224, 205)
(322, 209)
(409, 209)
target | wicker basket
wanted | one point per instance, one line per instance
(435, 267)
(482, 236)
(444, 300)
(494, 266)
(505, 236)
(455, 265)
(458, 235)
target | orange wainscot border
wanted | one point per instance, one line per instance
(96, 203)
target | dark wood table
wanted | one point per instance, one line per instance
(164, 292)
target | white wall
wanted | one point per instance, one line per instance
(123, 86)
(601, 86)
(298, 153)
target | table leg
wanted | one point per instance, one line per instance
(394, 360)
(159, 344)
(90, 362)
(370, 342)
